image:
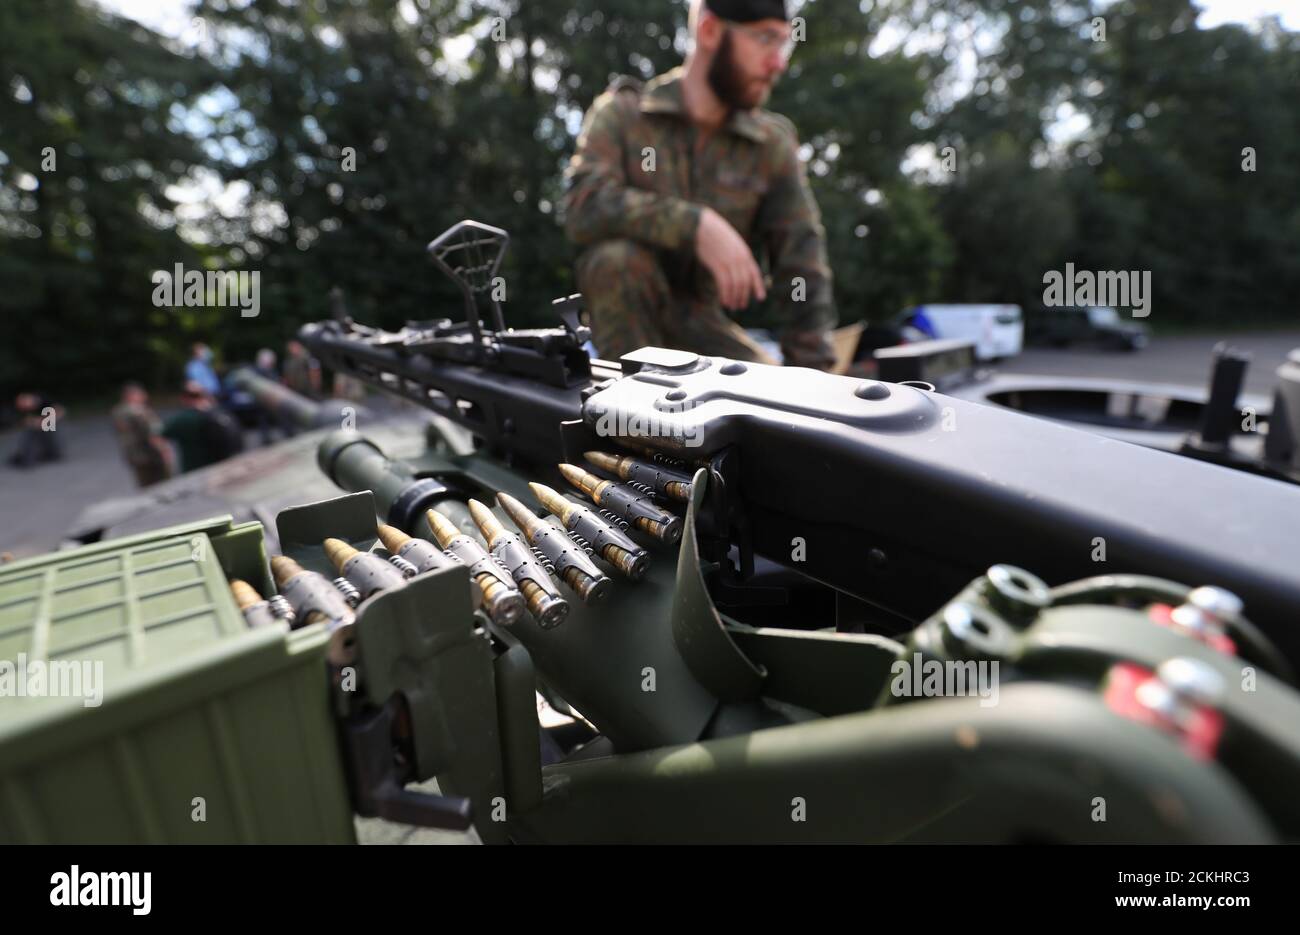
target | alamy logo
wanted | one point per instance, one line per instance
(930, 678)
(196, 289)
(1116, 288)
(102, 889)
(622, 424)
(61, 678)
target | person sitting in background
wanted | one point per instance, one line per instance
(302, 371)
(199, 370)
(137, 427)
(202, 433)
(265, 364)
(37, 443)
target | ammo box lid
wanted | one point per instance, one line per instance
(108, 623)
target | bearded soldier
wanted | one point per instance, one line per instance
(680, 190)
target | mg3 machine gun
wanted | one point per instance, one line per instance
(769, 605)
(854, 638)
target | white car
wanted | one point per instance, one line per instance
(996, 330)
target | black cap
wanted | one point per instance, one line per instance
(747, 11)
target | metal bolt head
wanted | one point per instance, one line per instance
(970, 629)
(1016, 591)
(1192, 680)
(871, 390)
(1217, 602)
(1194, 619)
(959, 619)
(1156, 696)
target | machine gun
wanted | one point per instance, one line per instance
(845, 540)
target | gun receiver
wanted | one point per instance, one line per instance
(899, 494)
(509, 387)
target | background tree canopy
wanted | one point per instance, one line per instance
(959, 149)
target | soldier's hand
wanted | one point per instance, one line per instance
(725, 254)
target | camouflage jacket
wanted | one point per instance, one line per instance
(635, 175)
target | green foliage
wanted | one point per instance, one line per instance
(351, 132)
(91, 137)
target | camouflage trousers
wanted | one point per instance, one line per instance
(632, 304)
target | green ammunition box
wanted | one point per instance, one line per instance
(136, 705)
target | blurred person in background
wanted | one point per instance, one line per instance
(138, 428)
(199, 369)
(202, 432)
(302, 371)
(37, 443)
(265, 364)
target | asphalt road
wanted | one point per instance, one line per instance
(1182, 359)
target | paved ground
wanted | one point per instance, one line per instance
(1183, 359)
(38, 504)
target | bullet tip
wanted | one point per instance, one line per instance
(283, 568)
(392, 537)
(505, 499)
(244, 593)
(486, 521)
(338, 552)
(443, 529)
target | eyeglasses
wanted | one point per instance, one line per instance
(767, 39)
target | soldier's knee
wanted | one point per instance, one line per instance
(618, 259)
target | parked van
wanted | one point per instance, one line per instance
(995, 330)
(1099, 324)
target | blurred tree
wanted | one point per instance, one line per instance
(325, 142)
(93, 132)
(856, 113)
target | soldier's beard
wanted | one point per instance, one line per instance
(729, 82)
